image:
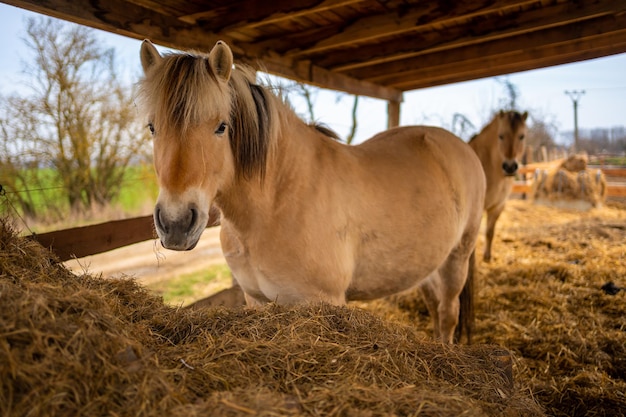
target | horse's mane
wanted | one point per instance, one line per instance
(325, 130)
(184, 91)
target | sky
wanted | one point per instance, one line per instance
(541, 92)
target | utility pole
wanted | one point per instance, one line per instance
(575, 95)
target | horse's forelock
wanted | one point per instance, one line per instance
(516, 120)
(183, 92)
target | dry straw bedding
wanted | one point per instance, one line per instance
(542, 298)
(82, 345)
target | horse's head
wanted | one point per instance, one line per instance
(511, 139)
(188, 102)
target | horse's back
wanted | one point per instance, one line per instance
(426, 150)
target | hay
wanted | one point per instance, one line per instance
(83, 345)
(571, 185)
(575, 163)
(542, 298)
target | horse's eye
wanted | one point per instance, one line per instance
(151, 127)
(501, 137)
(221, 129)
(521, 137)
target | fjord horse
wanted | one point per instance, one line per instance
(499, 146)
(305, 217)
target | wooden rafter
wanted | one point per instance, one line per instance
(368, 47)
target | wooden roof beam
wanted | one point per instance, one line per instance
(420, 17)
(470, 55)
(461, 36)
(113, 16)
(117, 16)
(234, 15)
(545, 56)
(306, 72)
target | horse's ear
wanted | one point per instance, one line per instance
(501, 114)
(221, 60)
(149, 55)
(525, 116)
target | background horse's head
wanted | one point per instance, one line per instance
(511, 139)
(205, 124)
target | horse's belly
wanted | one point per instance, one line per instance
(269, 271)
(384, 276)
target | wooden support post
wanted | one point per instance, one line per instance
(393, 114)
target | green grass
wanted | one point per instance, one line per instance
(615, 160)
(185, 289)
(44, 190)
(138, 187)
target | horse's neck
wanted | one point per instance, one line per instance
(290, 162)
(487, 139)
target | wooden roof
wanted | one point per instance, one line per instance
(368, 47)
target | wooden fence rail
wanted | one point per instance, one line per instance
(83, 241)
(90, 240)
(612, 189)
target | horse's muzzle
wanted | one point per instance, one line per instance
(509, 167)
(179, 233)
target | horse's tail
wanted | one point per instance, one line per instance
(466, 310)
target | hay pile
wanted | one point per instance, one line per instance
(82, 345)
(571, 185)
(542, 298)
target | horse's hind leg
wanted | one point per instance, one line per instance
(451, 278)
(430, 293)
(492, 217)
(441, 294)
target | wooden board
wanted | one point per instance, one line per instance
(90, 240)
(612, 190)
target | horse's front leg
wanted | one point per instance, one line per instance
(492, 217)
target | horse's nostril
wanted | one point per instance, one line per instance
(158, 220)
(194, 217)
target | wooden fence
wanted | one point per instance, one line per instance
(613, 189)
(79, 242)
(90, 240)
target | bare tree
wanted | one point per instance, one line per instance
(511, 94)
(541, 133)
(78, 118)
(353, 126)
(15, 156)
(309, 95)
(461, 125)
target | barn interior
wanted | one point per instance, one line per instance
(551, 331)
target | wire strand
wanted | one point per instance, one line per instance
(3, 193)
